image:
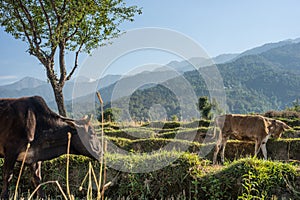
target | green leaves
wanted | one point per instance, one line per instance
(83, 23)
(54, 26)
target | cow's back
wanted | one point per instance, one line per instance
(247, 123)
(243, 126)
(16, 113)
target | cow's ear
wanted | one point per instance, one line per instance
(30, 125)
(87, 118)
(286, 127)
(272, 125)
(90, 117)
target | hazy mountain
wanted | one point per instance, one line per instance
(29, 86)
(125, 87)
(263, 78)
(223, 58)
(25, 83)
(256, 84)
(253, 83)
(267, 47)
(184, 66)
(286, 57)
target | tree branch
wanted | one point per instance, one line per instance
(76, 29)
(32, 50)
(54, 8)
(47, 19)
(36, 38)
(24, 28)
(53, 46)
(75, 62)
(64, 5)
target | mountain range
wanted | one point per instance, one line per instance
(257, 80)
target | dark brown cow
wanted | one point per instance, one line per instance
(246, 127)
(29, 120)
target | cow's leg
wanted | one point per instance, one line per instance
(264, 150)
(224, 142)
(263, 146)
(217, 148)
(257, 147)
(8, 166)
(216, 152)
(36, 177)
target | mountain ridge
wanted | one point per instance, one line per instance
(253, 82)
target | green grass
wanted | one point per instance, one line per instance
(185, 175)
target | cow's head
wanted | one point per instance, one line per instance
(277, 127)
(85, 141)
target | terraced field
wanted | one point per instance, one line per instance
(172, 160)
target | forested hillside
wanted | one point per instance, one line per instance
(253, 83)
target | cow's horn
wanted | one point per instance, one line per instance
(66, 118)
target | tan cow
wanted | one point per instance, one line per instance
(246, 127)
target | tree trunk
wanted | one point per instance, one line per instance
(56, 87)
(59, 98)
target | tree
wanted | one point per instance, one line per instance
(53, 28)
(206, 107)
(295, 106)
(110, 115)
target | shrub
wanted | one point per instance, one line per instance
(169, 181)
(184, 175)
(110, 115)
(282, 114)
(250, 178)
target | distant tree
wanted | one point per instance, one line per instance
(204, 107)
(295, 106)
(53, 28)
(174, 118)
(207, 108)
(110, 115)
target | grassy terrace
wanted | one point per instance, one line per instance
(184, 175)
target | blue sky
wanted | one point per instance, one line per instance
(230, 26)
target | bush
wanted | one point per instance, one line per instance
(250, 178)
(173, 180)
(51, 171)
(184, 175)
(282, 114)
(110, 115)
